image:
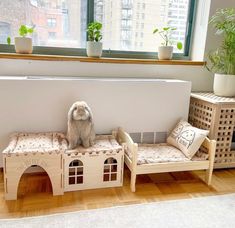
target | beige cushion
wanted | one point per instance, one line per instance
(24, 143)
(103, 143)
(162, 153)
(187, 138)
(158, 153)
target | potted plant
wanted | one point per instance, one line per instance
(94, 46)
(166, 50)
(23, 44)
(222, 60)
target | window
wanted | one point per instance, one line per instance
(51, 22)
(110, 170)
(147, 14)
(66, 19)
(76, 172)
(52, 35)
(5, 31)
(61, 25)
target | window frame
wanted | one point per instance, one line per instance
(47, 50)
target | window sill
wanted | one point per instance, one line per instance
(99, 60)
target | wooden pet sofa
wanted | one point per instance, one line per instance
(160, 158)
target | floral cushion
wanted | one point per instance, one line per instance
(36, 143)
(161, 153)
(106, 143)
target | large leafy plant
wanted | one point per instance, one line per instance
(165, 34)
(94, 31)
(222, 60)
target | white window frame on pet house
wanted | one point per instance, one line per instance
(78, 174)
(109, 165)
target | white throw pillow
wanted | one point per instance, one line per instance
(187, 138)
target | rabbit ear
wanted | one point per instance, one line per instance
(90, 113)
(70, 113)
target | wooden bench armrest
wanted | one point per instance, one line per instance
(124, 137)
(210, 145)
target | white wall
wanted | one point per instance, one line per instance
(212, 41)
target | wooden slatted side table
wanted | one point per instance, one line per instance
(216, 114)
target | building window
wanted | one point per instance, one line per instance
(143, 6)
(67, 18)
(51, 22)
(75, 172)
(5, 30)
(147, 15)
(110, 170)
(52, 35)
(63, 24)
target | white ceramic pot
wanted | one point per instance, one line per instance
(224, 85)
(23, 45)
(94, 49)
(165, 52)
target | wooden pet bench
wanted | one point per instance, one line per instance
(136, 166)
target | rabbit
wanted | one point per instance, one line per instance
(80, 126)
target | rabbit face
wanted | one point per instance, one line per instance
(80, 111)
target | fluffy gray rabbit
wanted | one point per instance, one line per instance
(80, 125)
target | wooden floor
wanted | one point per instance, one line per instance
(35, 197)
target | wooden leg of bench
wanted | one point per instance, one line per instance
(133, 180)
(209, 175)
(209, 171)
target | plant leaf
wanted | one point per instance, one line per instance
(23, 30)
(94, 31)
(30, 30)
(179, 45)
(9, 40)
(155, 30)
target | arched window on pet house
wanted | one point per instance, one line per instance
(76, 172)
(110, 169)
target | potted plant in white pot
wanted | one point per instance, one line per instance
(23, 43)
(94, 46)
(222, 60)
(166, 50)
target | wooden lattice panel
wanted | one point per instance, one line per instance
(200, 114)
(224, 136)
(216, 114)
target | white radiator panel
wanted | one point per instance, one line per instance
(37, 104)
